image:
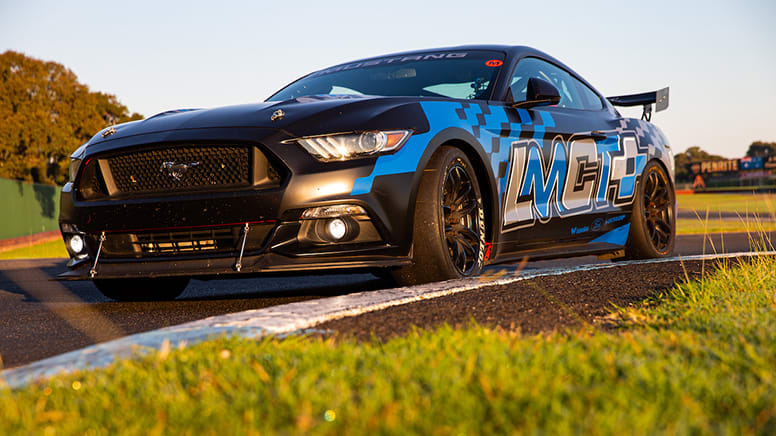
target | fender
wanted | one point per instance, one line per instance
(465, 141)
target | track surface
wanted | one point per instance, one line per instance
(743, 217)
(41, 318)
(535, 305)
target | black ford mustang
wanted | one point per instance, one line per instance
(423, 165)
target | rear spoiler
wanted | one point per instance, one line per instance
(659, 97)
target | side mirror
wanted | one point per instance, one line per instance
(539, 93)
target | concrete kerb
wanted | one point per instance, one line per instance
(287, 319)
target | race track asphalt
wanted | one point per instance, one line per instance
(40, 318)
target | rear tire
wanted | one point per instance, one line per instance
(653, 224)
(448, 237)
(159, 289)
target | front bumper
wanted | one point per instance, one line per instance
(147, 236)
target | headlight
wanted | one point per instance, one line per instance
(74, 165)
(75, 161)
(352, 145)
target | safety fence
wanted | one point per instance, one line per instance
(28, 212)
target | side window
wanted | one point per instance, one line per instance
(573, 93)
(590, 100)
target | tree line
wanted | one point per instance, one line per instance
(45, 114)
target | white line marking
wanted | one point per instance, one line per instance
(288, 318)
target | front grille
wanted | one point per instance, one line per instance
(184, 242)
(180, 168)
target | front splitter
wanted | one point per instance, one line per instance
(224, 267)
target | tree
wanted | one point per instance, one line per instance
(45, 114)
(761, 149)
(683, 160)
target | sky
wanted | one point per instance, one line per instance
(718, 57)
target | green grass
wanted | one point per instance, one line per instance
(685, 226)
(764, 204)
(697, 360)
(46, 249)
(708, 206)
(738, 189)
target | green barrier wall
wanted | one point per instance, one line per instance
(27, 208)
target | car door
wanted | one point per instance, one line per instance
(569, 178)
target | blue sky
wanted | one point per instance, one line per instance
(719, 58)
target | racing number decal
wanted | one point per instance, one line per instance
(580, 176)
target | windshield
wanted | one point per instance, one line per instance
(452, 74)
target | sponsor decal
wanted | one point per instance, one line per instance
(391, 61)
(570, 178)
(482, 256)
(578, 230)
(597, 225)
(494, 63)
(615, 219)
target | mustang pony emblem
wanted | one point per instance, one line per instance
(176, 170)
(278, 115)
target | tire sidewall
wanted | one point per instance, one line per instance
(452, 157)
(431, 260)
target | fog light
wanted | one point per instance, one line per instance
(336, 229)
(76, 244)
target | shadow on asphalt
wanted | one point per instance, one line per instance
(304, 286)
(27, 277)
(40, 317)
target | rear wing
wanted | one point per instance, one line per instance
(659, 97)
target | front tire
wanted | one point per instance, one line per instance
(448, 235)
(653, 225)
(158, 289)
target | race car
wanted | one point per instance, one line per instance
(419, 166)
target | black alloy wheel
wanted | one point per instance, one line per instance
(448, 236)
(653, 224)
(461, 218)
(658, 211)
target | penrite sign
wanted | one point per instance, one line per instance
(733, 165)
(717, 166)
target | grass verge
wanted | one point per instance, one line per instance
(699, 359)
(763, 204)
(707, 208)
(690, 226)
(54, 248)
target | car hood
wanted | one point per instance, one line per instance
(303, 116)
